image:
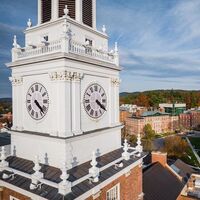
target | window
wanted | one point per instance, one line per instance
(113, 193)
(46, 10)
(71, 5)
(87, 12)
(13, 198)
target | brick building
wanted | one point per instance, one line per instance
(159, 121)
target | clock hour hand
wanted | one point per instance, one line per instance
(38, 105)
(101, 106)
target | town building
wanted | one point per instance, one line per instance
(159, 121)
(66, 133)
(173, 108)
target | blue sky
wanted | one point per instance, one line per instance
(159, 40)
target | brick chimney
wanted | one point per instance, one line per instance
(160, 157)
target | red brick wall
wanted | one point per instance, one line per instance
(159, 157)
(7, 193)
(130, 186)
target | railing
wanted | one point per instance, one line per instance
(50, 47)
(67, 46)
(89, 51)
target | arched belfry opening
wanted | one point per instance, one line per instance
(87, 12)
(71, 5)
(46, 6)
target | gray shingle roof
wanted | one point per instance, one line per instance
(160, 184)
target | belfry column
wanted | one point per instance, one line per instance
(76, 103)
(94, 10)
(55, 9)
(17, 96)
(39, 12)
(79, 10)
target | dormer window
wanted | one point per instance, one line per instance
(87, 12)
(46, 10)
(71, 5)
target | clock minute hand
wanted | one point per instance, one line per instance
(38, 105)
(101, 106)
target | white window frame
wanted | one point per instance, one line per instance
(113, 193)
(13, 198)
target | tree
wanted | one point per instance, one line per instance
(149, 132)
(175, 146)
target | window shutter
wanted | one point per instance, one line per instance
(87, 12)
(71, 5)
(46, 10)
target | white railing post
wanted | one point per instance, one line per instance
(139, 147)
(94, 170)
(3, 163)
(65, 186)
(116, 54)
(126, 154)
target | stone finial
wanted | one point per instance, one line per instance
(29, 23)
(94, 170)
(126, 154)
(35, 178)
(66, 11)
(3, 162)
(104, 29)
(139, 147)
(65, 185)
(15, 41)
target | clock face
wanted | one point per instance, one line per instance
(37, 101)
(95, 101)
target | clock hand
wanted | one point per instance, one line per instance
(101, 106)
(38, 105)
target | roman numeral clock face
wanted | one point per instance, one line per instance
(37, 101)
(95, 101)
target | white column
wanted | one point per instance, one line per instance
(112, 104)
(79, 11)
(54, 9)
(76, 104)
(94, 23)
(39, 12)
(117, 103)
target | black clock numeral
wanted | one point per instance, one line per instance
(100, 111)
(103, 100)
(28, 101)
(29, 107)
(92, 112)
(99, 90)
(29, 95)
(36, 87)
(44, 108)
(44, 94)
(41, 89)
(88, 94)
(96, 113)
(96, 88)
(36, 115)
(32, 90)
(88, 107)
(32, 112)
(41, 113)
(45, 101)
(91, 89)
(87, 101)
(103, 95)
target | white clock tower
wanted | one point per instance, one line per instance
(65, 86)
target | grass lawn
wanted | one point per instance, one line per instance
(189, 158)
(195, 142)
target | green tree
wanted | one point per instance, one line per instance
(149, 132)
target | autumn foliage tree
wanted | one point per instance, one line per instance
(175, 146)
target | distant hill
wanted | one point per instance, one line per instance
(154, 97)
(5, 99)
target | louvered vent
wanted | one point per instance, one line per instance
(87, 12)
(70, 5)
(46, 10)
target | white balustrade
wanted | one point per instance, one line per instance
(57, 46)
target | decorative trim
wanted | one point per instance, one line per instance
(16, 80)
(65, 76)
(115, 81)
